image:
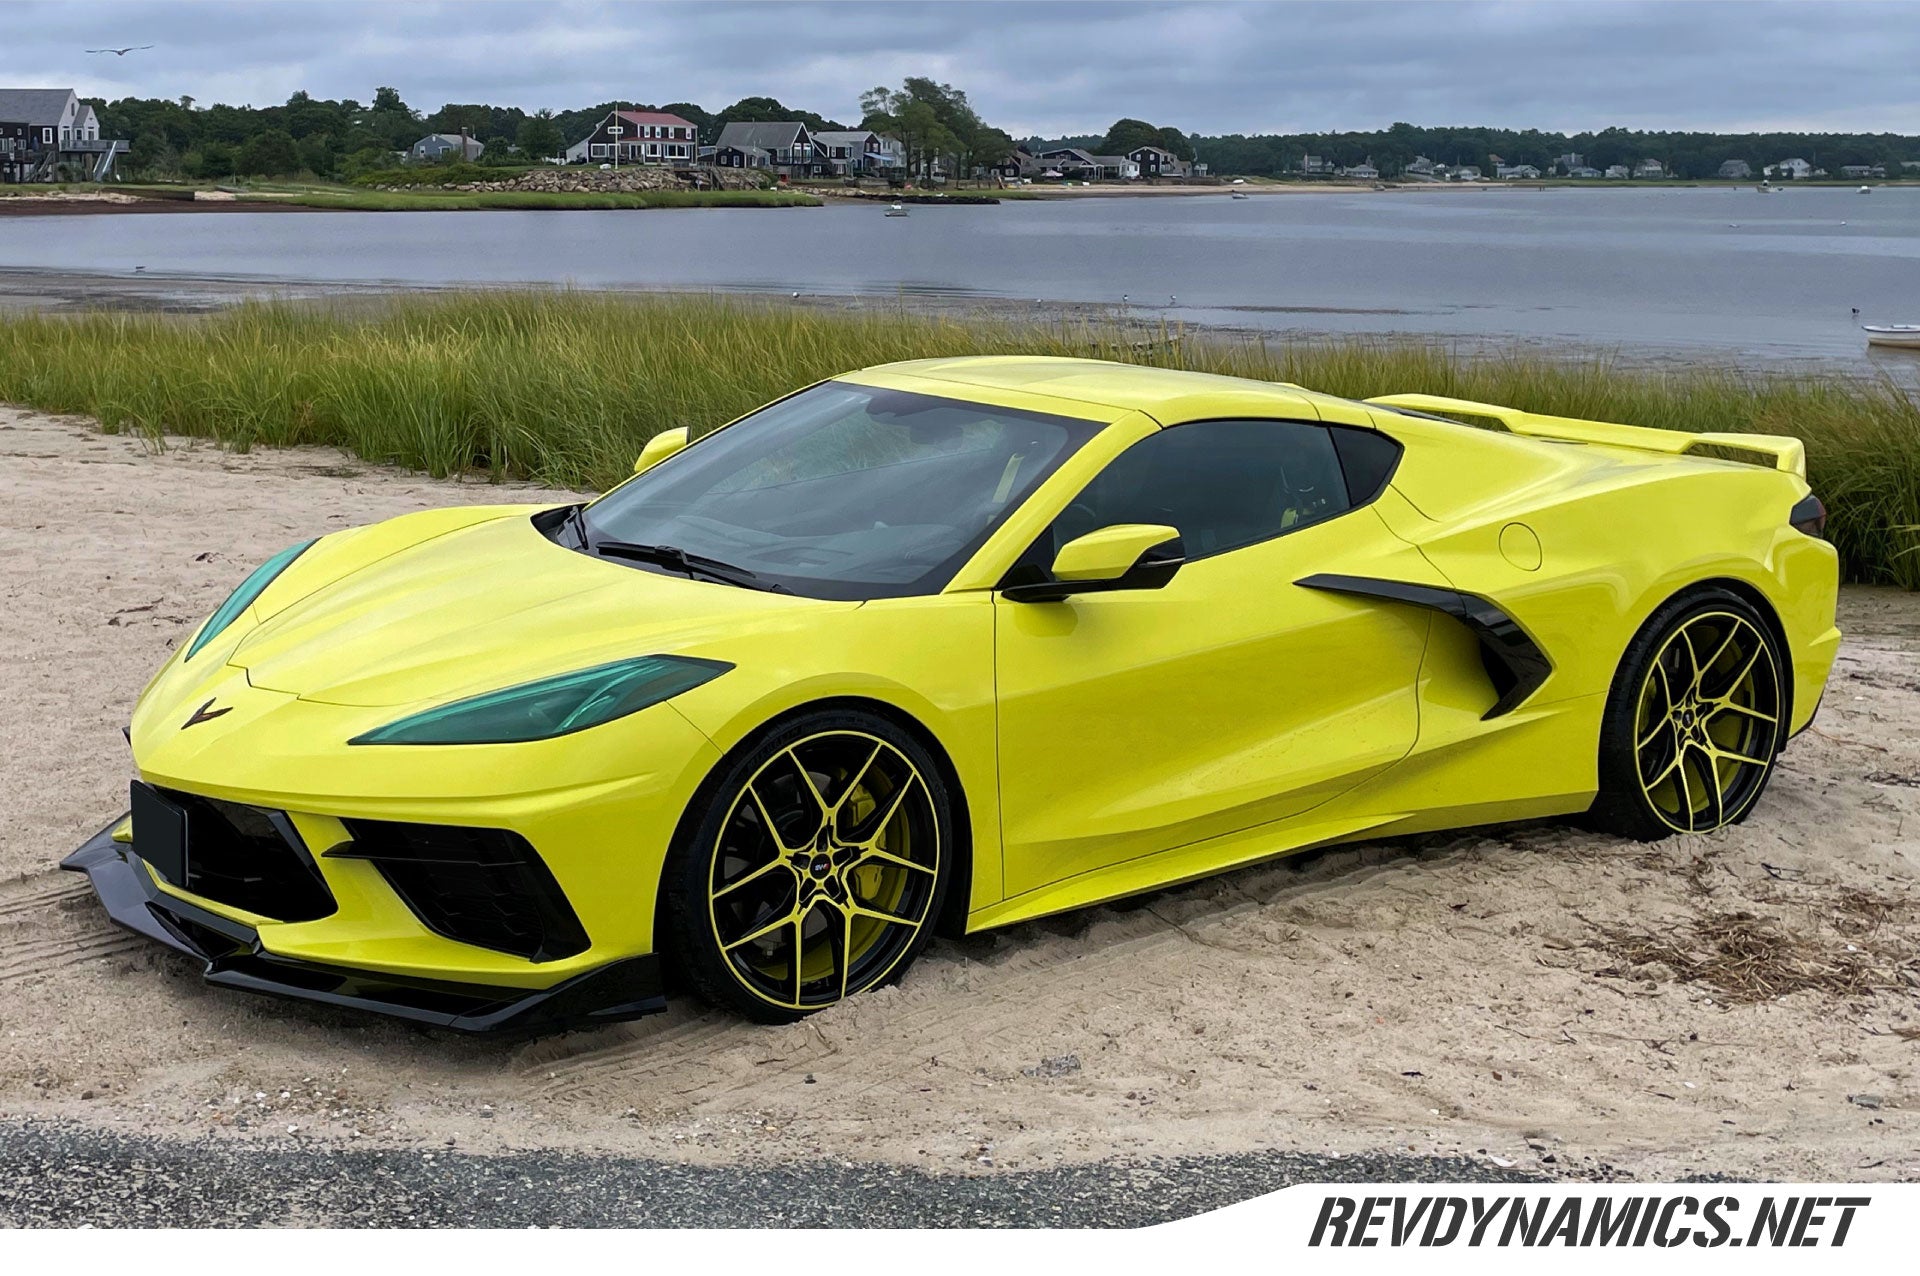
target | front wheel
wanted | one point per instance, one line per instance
(1694, 722)
(816, 869)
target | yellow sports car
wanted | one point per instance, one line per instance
(940, 646)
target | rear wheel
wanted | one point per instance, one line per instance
(816, 870)
(1694, 722)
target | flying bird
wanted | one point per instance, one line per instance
(121, 53)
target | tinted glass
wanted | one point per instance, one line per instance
(844, 491)
(1224, 484)
(1369, 459)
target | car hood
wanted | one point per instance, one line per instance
(485, 607)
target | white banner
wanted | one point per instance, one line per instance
(1396, 1228)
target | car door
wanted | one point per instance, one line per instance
(1138, 721)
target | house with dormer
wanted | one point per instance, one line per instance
(55, 137)
(1157, 161)
(638, 137)
(788, 146)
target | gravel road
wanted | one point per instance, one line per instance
(59, 1174)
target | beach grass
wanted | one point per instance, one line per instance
(565, 387)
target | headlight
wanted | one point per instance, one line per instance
(240, 599)
(552, 706)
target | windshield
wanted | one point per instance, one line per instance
(844, 491)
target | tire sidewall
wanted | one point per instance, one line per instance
(684, 937)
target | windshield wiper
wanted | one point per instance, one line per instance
(697, 566)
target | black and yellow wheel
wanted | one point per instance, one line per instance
(1695, 720)
(816, 869)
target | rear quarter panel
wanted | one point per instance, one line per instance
(1619, 533)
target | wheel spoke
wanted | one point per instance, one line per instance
(874, 855)
(1714, 791)
(1664, 724)
(1686, 788)
(1733, 631)
(858, 776)
(758, 873)
(806, 778)
(766, 821)
(1679, 755)
(859, 909)
(783, 919)
(799, 948)
(872, 840)
(1733, 684)
(1742, 758)
(840, 938)
(1727, 706)
(1693, 657)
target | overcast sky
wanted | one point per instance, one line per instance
(1046, 68)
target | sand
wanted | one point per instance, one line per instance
(1456, 993)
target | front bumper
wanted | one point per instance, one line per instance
(620, 990)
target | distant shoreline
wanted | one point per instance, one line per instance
(107, 201)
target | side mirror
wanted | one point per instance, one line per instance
(659, 448)
(1123, 556)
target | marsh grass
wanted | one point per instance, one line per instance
(566, 387)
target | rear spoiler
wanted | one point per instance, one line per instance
(1788, 454)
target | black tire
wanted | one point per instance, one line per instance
(1695, 719)
(812, 866)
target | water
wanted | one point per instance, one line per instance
(1760, 277)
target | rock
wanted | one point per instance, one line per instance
(1868, 1101)
(1056, 1066)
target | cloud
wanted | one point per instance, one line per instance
(1047, 68)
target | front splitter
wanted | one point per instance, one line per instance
(621, 990)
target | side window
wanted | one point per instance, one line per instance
(1224, 484)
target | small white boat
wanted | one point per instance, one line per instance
(1903, 336)
(1866, 190)
(896, 210)
(1241, 195)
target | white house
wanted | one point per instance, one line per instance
(1649, 168)
(1797, 169)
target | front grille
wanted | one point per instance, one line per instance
(251, 858)
(486, 887)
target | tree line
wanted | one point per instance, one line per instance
(344, 138)
(1684, 154)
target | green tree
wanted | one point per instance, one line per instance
(935, 122)
(759, 109)
(316, 155)
(269, 154)
(212, 160)
(1127, 136)
(539, 137)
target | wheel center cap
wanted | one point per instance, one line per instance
(820, 866)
